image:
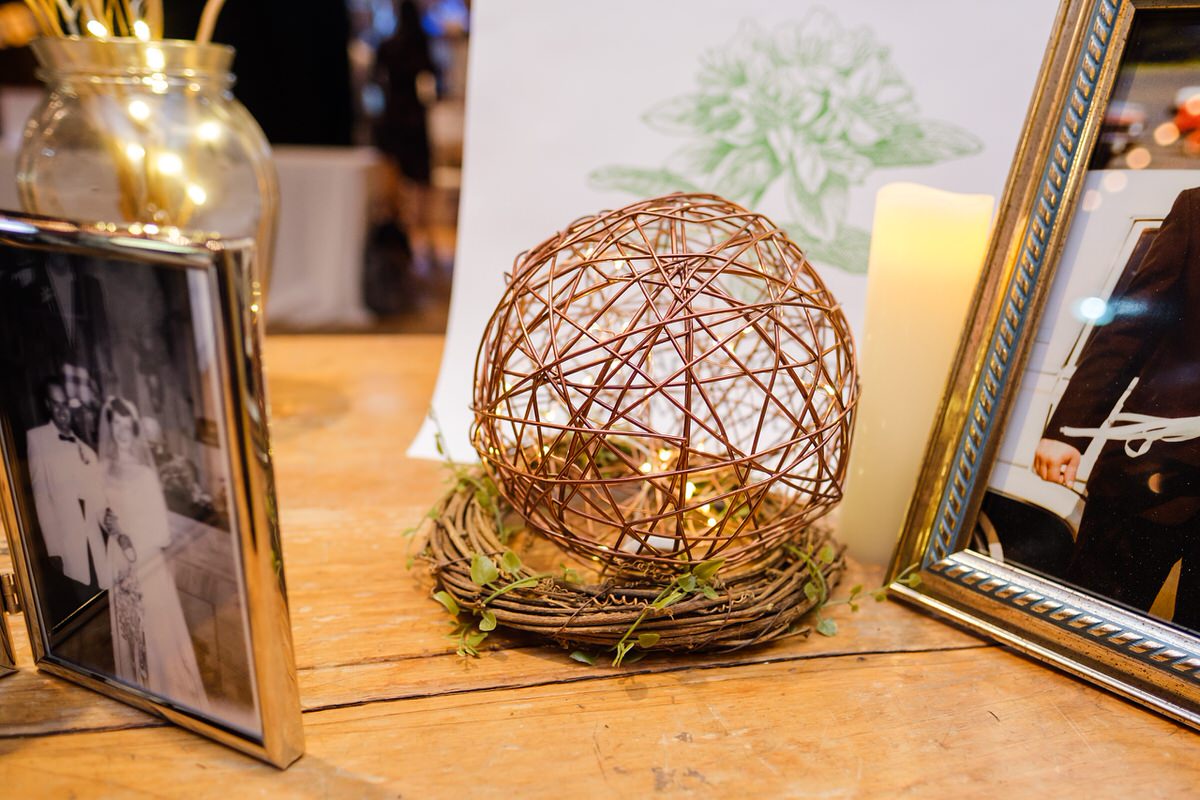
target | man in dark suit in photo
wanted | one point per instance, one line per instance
(1142, 512)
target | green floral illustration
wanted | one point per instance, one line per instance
(810, 108)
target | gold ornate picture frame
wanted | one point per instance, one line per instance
(1066, 263)
(136, 487)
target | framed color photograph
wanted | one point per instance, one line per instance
(1059, 505)
(137, 488)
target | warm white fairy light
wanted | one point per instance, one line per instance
(139, 110)
(96, 28)
(208, 131)
(155, 59)
(645, 468)
(170, 164)
(197, 194)
(141, 30)
(689, 490)
(134, 151)
(712, 523)
(664, 455)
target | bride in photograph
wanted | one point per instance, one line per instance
(151, 644)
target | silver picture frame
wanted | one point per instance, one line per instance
(232, 315)
(1136, 655)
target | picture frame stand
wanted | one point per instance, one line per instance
(10, 603)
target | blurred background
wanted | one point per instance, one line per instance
(363, 102)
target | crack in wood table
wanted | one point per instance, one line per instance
(896, 704)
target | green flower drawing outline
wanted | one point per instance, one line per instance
(812, 106)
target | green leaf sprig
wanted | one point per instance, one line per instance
(816, 589)
(698, 580)
(487, 574)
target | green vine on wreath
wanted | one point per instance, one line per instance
(486, 574)
(817, 590)
(498, 577)
(701, 579)
(697, 580)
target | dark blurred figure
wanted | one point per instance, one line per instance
(402, 132)
(293, 72)
(407, 77)
(405, 72)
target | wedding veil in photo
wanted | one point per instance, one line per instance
(108, 444)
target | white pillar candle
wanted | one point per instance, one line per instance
(927, 247)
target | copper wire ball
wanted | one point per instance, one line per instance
(666, 384)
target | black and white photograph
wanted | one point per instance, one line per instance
(1097, 481)
(117, 454)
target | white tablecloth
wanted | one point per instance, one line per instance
(324, 196)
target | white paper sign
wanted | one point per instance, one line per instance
(797, 110)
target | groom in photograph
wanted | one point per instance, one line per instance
(1142, 512)
(69, 500)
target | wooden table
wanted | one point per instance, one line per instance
(896, 704)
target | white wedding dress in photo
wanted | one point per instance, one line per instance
(151, 645)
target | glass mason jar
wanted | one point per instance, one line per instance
(148, 132)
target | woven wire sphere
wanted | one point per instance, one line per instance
(666, 384)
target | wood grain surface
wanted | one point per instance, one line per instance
(896, 704)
